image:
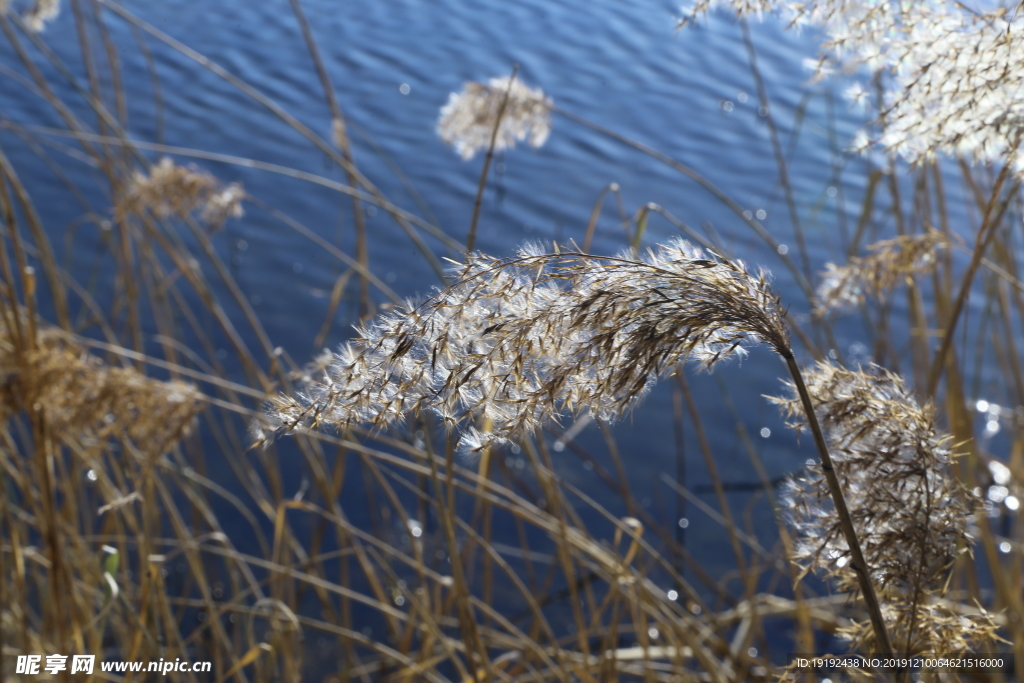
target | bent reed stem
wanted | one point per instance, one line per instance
(858, 564)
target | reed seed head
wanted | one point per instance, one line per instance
(176, 191)
(889, 263)
(950, 74)
(928, 626)
(224, 203)
(467, 121)
(529, 339)
(85, 400)
(41, 13)
(909, 511)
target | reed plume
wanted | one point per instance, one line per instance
(177, 191)
(468, 120)
(525, 340)
(910, 512)
(41, 13)
(950, 74)
(87, 401)
(893, 463)
(929, 625)
(890, 262)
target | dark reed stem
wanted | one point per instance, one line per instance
(858, 564)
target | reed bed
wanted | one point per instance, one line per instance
(397, 509)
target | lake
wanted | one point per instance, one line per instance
(690, 94)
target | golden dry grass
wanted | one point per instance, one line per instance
(135, 523)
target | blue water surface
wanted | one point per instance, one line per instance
(688, 93)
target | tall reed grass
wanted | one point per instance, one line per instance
(432, 536)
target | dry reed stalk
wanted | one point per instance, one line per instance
(499, 117)
(777, 150)
(994, 210)
(423, 662)
(340, 137)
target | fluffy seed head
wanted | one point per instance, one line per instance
(951, 75)
(928, 625)
(890, 263)
(524, 340)
(176, 191)
(909, 511)
(88, 401)
(42, 12)
(468, 119)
